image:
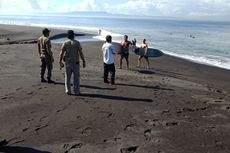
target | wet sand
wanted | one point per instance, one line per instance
(176, 106)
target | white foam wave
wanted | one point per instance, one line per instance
(214, 61)
(115, 36)
(93, 30)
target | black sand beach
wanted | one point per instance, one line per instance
(176, 106)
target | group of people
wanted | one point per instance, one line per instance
(125, 44)
(109, 51)
(71, 53)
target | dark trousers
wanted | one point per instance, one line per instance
(46, 62)
(109, 68)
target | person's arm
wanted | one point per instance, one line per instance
(39, 48)
(82, 57)
(122, 44)
(49, 48)
(61, 56)
(146, 49)
(114, 51)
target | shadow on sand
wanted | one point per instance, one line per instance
(96, 87)
(110, 97)
(88, 86)
(145, 86)
(146, 72)
(16, 149)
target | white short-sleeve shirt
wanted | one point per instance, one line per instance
(108, 50)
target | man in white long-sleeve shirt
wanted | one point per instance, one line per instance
(109, 51)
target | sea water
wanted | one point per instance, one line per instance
(206, 42)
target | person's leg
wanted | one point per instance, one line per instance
(43, 69)
(76, 81)
(139, 61)
(106, 73)
(49, 65)
(67, 79)
(112, 71)
(147, 60)
(121, 58)
(127, 60)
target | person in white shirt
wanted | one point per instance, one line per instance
(109, 51)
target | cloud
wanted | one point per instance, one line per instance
(175, 8)
(15, 6)
(140, 7)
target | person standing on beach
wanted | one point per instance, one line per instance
(145, 46)
(72, 50)
(99, 32)
(109, 51)
(46, 55)
(125, 51)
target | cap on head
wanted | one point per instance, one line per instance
(70, 34)
(45, 31)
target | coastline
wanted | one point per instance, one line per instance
(16, 34)
(175, 106)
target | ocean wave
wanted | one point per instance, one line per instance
(103, 33)
(217, 61)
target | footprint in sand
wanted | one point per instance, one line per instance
(194, 109)
(132, 149)
(87, 131)
(157, 122)
(5, 97)
(171, 123)
(117, 139)
(225, 107)
(209, 129)
(62, 109)
(218, 101)
(70, 147)
(165, 112)
(151, 137)
(25, 129)
(107, 114)
(19, 89)
(30, 93)
(39, 127)
(154, 122)
(29, 120)
(42, 118)
(147, 134)
(129, 127)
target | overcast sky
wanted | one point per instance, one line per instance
(219, 9)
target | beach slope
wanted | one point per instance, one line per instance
(176, 106)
